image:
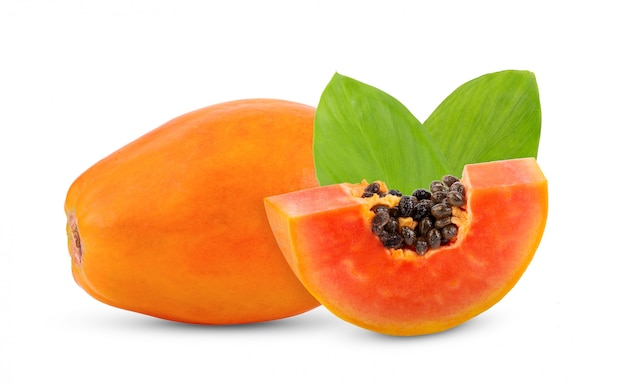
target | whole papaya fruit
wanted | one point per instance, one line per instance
(173, 225)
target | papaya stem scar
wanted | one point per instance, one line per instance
(77, 246)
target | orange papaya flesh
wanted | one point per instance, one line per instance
(172, 225)
(325, 235)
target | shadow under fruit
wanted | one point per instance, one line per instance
(173, 224)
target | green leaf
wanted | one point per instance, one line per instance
(364, 133)
(494, 117)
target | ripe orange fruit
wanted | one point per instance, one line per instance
(173, 224)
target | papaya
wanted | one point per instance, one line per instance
(331, 237)
(172, 225)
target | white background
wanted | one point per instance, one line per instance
(79, 79)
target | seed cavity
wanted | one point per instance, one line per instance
(421, 221)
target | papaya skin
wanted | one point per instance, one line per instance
(172, 225)
(396, 291)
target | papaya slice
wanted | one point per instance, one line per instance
(325, 234)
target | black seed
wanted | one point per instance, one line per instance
(455, 198)
(422, 209)
(406, 206)
(421, 194)
(434, 238)
(408, 235)
(391, 226)
(380, 208)
(441, 210)
(367, 195)
(392, 241)
(437, 186)
(421, 245)
(443, 222)
(449, 180)
(394, 192)
(373, 188)
(458, 187)
(378, 231)
(449, 232)
(425, 225)
(438, 196)
(380, 219)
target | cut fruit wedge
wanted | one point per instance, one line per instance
(326, 237)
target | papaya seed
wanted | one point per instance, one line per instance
(448, 180)
(421, 245)
(434, 238)
(455, 198)
(441, 210)
(381, 218)
(421, 194)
